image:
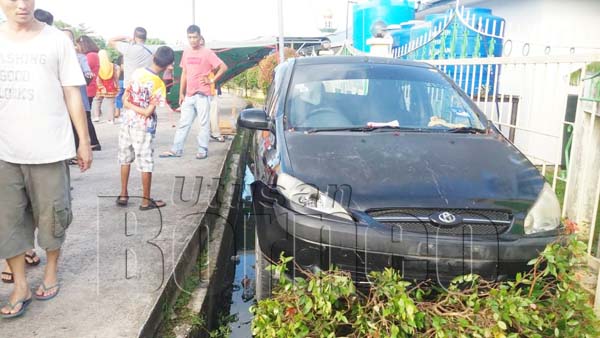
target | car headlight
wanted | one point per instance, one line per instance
(309, 197)
(545, 214)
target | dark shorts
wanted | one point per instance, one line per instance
(33, 196)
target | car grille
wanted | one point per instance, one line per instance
(475, 222)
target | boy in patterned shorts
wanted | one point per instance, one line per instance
(143, 94)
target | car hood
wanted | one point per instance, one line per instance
(430, 170)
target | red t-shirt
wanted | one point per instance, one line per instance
(94, 62)
(197, 64)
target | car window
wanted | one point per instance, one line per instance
(273, 92)
(357, 95)
(347, 86)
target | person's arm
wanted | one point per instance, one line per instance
(74, 102)
(113, 42)
(147, 112)
(221, 69)
(182, 85)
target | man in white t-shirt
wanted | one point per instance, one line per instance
(39, 98)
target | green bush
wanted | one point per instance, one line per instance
(548, 301)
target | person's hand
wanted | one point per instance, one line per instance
(84, 157)
(205, 80)
(181, 98)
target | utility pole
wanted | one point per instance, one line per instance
(193, 12)
(348, 2)
(280, 17)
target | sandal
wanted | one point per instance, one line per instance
(30, 259)
(122, 201)
(9, 277)
(154, 204)
(46, 289)
(24, 303)
(217, 138)
(201, 156)
(169, 154)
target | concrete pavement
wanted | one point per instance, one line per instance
(116, 261)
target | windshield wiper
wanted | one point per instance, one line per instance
(467, 130)
(362, 129)
(317, 130)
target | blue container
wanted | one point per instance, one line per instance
(436, 20)
(401, 35)
(474, 79)
(485, 22)
(418, 35)
(388, 11)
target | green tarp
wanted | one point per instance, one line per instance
(237, 56)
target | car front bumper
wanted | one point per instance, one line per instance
(319, 243)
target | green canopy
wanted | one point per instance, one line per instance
(238, 56)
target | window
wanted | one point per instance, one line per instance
(355, 95)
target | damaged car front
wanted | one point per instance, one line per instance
(367, 163)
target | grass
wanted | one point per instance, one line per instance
(256, 102)
(180, 313)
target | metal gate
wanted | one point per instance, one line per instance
(527, 99)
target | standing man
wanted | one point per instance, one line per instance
(135, 52)
(36, 139)
(197, 62)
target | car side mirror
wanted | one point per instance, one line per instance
(254, 118)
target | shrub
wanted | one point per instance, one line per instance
(545, 302)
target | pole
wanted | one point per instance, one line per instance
(280, 17)
(348, 2)
(194, 12)
(347, 9)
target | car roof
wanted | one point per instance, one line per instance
(318, 60)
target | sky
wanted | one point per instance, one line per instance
(222, 20)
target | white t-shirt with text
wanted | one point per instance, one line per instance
(35, 126)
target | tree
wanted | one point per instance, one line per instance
(82, 29)
(248, 80)
(78, 30)
(268, 64)
(154, 41)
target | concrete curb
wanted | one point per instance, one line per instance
(220, 249)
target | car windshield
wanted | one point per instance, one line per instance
(338, 96)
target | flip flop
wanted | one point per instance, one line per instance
(201, 156)
(45, 289)
(10, 278)
(122, 201)
(32, 258)
(154, 204)
(24, 303)
(168, 154)
(217, 138)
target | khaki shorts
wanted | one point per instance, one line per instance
(135, 145)
(33, 196)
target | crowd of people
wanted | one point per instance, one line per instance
(52, 121)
